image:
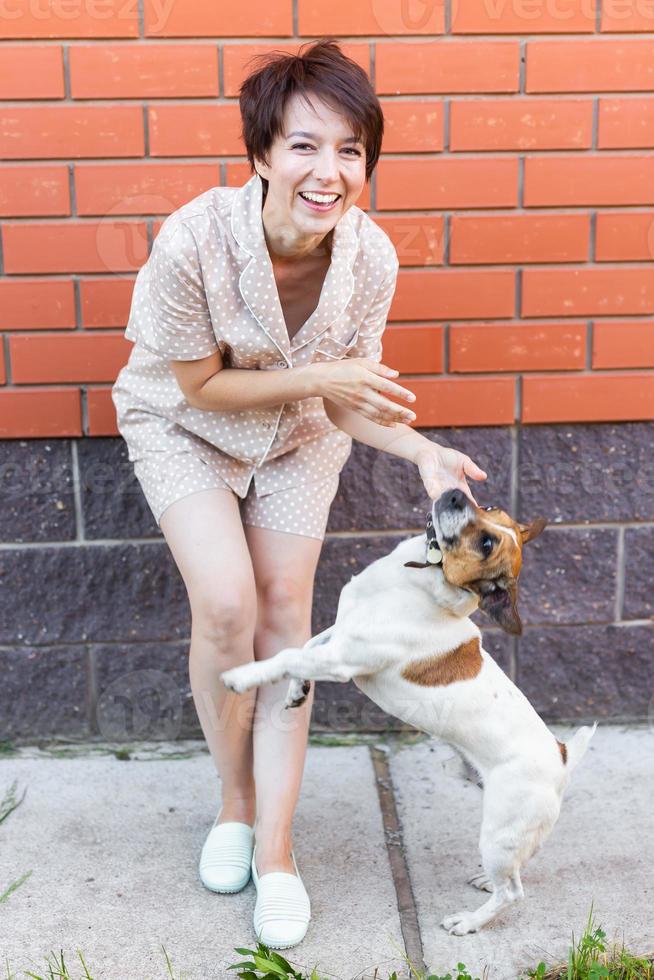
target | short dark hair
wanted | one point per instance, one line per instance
(322, 70)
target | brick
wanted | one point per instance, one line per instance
(229, 18)
(119, 71)
(113, 505)
(50, 358)
(239, 172)
(27, 191)
(237, 59)
(517, 347)
(591, 65)
(51, 412)
(455, 66)
(453, 294)
(600, 291)
(71, 131)
(522, 17)
(400, 499)
(27, 20)
(623, 237)
(317, 18)
(623, 345)
(521, 124)
(31, 72)
(462, 401)
(519, 238)
(143, 692)
(101, 412)
(85, 588)
(3, 369)
(89, 246)
(581, 473)
(638, 550)
(413, 127)
(621, 397)
(45, 692)
(625, 124)
(447, 183)
(33, 304)
(569, 575)
(414, 348)
(587, 672)
(419, 239)
(158, 188)
(194, 130)
(594, 181)
(36, 486)
(632, 15)
(106, 302)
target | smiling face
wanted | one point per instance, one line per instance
(316, 170)
(482, 552)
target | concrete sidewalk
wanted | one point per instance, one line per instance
(113, 847)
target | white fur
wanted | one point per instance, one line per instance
(389, 616)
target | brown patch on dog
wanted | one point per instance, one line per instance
(563, 749)
(439, 670)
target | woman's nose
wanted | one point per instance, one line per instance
(326, 168)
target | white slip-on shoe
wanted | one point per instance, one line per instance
(226, 856)
(283, 910)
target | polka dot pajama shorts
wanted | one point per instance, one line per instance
(302, 509)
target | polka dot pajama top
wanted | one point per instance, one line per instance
(209, 285)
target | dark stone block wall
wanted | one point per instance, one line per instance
(94, 618)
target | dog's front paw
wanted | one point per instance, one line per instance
(297, 693)
(240, 679)
(459, 924)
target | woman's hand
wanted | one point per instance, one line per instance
(444, 469)
(361, 384)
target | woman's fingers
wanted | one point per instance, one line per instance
(388, 387)
(386, 412)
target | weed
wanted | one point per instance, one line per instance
(591, 959)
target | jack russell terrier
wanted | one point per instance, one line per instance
(403, 635)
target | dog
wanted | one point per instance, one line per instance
(403, 635)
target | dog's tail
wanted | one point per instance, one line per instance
(576, 747)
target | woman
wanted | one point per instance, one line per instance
(257, 323)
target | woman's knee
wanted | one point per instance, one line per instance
(284, 605)
(224, 614)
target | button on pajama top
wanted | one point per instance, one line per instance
(209, 285)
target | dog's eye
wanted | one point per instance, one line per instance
(487, 545)
(489, 508)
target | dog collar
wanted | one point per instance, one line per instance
(434, 553)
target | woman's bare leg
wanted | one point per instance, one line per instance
(284, 568)
(205, 535)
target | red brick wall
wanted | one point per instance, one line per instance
(517, 183)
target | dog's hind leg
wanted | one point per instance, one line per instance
(506, 889)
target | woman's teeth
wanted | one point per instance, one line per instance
(323, 200)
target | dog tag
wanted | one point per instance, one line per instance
(434, 555)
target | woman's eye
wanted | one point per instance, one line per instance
(302, 146)
(351, 149)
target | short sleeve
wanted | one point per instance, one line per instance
(368, 342)
(169, 314)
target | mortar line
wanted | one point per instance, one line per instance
(393, 837)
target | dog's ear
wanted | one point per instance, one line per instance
(498, 599)
(531, 531)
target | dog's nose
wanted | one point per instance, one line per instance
(456, 499)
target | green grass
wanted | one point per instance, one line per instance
(592, 959)
(56, 969)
